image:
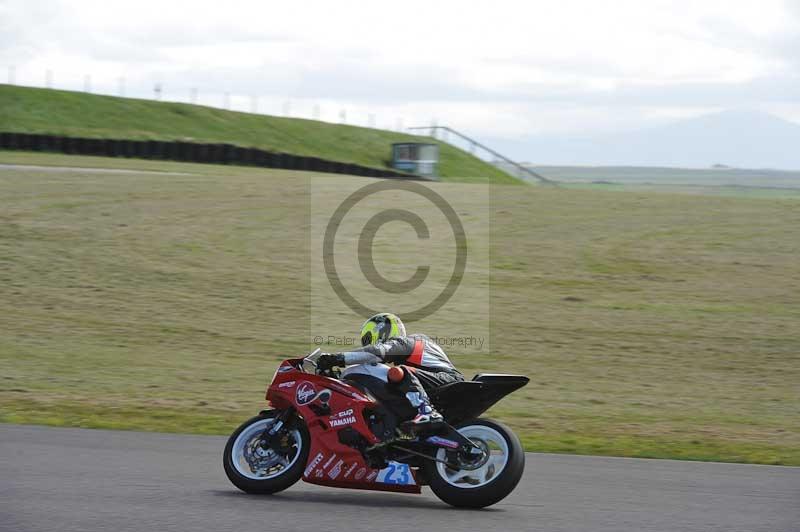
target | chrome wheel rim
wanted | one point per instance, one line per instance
(256, 463)
(478, 473)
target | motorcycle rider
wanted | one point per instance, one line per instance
(420, 365)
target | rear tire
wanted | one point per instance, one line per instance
(237, 466)
(485, 485)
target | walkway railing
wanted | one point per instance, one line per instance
(524, 172)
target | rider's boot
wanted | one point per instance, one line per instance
(427, 417)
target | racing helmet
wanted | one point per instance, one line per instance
(381, 327)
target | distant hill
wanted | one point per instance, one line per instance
(32, 110)
(709, 177)
(743, 139)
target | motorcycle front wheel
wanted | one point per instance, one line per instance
(483, 479)
(257, 463)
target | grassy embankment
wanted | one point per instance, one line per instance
(31, 110)
(652, 325)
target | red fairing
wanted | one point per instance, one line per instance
(328, 406)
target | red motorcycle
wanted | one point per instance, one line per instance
(334, 431)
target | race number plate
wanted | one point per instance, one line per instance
(396, 473)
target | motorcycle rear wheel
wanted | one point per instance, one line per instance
(481, 482)
(282, 471)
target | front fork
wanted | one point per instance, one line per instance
(285, 419)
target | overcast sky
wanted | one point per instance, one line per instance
(494, 69)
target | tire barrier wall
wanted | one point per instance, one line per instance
(189, 152)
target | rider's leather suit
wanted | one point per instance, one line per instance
(427, 364)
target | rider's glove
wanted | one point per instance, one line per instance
(326, 361)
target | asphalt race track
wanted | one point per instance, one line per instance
(84, 480)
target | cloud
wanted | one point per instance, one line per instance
(517, 65)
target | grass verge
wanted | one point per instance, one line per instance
(654, 325)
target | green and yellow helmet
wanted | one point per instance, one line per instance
(381, 327)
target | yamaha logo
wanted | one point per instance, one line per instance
(344, 417)
(343, 421)
(305, 393)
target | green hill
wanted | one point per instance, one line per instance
(32, 110)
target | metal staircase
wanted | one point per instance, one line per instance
(523, 172)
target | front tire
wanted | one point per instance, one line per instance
(254, 468)
(482, 482)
